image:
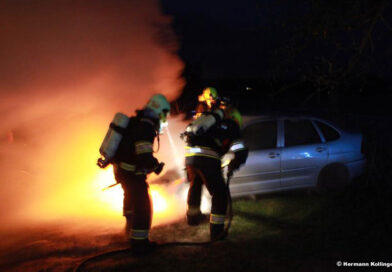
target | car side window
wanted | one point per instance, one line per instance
(300, 132)
(330, 134)
(261, 135)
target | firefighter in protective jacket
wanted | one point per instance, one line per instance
(203, 165)
(132, 163)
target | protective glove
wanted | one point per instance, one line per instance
(159, 168)
(102, 163)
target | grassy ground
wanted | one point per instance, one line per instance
(287, 232)
(293, 231)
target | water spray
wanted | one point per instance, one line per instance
(174, 148)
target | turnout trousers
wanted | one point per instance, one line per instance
(204, 170)
(137, 203)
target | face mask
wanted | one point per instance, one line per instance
(163, 125)
(163, 122)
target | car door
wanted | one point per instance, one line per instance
(262, 169)
(303, 153)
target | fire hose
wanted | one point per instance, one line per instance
(125, 250)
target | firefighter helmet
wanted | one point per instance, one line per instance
(209, 96)
(234, 114)
(159, 104)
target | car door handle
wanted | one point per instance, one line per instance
(320, 149)
(273, 155)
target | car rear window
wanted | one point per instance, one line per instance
(261, 135)
(300, 132)
(330, 134)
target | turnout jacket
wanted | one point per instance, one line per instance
(221, 138)
(135, 152)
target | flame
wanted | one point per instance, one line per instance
(159, 201)
(75, 184)
(164, 202)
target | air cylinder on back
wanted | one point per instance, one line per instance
(113, 137)
(204, 122)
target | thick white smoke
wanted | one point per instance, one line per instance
(66, 67)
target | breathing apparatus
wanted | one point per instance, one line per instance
(112, 139)
(158, 107)
(208, 119)
(202, 124)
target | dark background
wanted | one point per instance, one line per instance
(302, 55)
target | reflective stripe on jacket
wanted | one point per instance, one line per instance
(191, 151)
(130, 168)
(143, 147)
(237, 146)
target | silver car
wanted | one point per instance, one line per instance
(296, 152)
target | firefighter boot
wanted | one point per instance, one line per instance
(217, 232)
(194, 220)
(142, 247)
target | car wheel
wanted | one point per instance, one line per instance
(332, 178)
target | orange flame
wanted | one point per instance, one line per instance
(164, 204)
(77, 183)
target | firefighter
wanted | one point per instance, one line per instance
(207, 100)
(133, 161)
(203, 166)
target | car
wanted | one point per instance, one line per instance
(291, 152)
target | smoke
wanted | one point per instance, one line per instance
(66, 67)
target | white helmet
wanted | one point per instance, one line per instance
(159, 104)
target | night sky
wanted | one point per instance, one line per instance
(342, 48)
(237, 38)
